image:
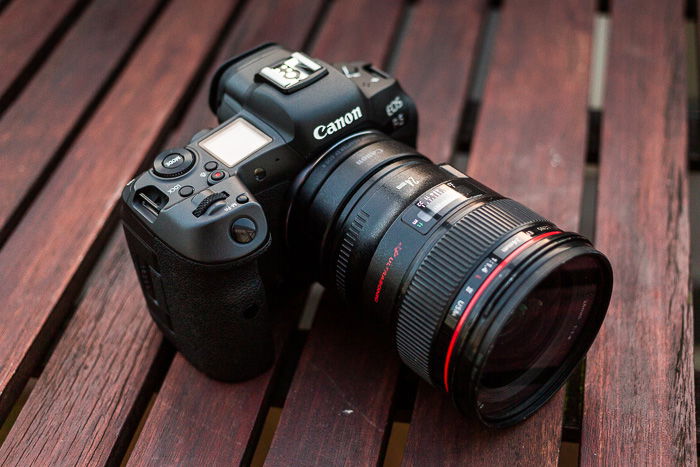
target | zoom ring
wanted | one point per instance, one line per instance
(444, 269)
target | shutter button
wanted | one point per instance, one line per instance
(243, 230)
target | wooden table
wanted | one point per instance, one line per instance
(91, 90)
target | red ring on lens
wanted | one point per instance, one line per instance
(478, 293)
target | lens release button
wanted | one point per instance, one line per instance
(243, 230)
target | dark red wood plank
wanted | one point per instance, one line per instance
(25, 27)
(639, 405)
(43, 262)
(433, 66)
(529, 144)
(196, 420)
(362, 31)
(337, 408)
(82, 404)
(39, 121)
(199, 421)
(338, 405)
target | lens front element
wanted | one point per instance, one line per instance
(542, 339)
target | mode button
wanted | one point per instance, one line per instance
(173, 163)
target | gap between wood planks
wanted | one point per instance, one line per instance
(400, 424)
(694, 178)
(37, 59)
(46, 171)
(74, 292)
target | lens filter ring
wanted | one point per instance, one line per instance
(443, 270)
(525, 338)
(494, 267)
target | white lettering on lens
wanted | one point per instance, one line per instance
(368, 156)
(338, 124)
(410, 181)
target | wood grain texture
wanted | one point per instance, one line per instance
(83, 400)
(337, 409)
(40, 120)
(338, 405)
(433, 66)
(196, 420)
(530, 145)
(199, 421)
(361, 31)
(639, 405)
(25, 27)
(46, 257)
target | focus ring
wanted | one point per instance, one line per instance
(444, 269)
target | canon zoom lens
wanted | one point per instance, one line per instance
(487, 299)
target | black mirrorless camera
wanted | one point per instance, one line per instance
(312, 173)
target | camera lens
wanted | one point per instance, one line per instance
(486, 299)
(545, 329)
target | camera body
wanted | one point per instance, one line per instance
(207, 219)
(311, 175)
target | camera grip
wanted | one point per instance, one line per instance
(215, 314)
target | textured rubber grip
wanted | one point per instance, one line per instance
(442, 272)
(215, 314)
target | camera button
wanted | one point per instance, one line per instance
(173, 163)
(210, 166)
(186, 191)
(243, 230)
(242, 198)
(216, 177)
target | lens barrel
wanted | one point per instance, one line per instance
(486, 299)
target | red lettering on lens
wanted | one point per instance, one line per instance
(387, 266)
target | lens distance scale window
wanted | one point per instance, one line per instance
(426, 211)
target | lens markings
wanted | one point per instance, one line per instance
(483, 276)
